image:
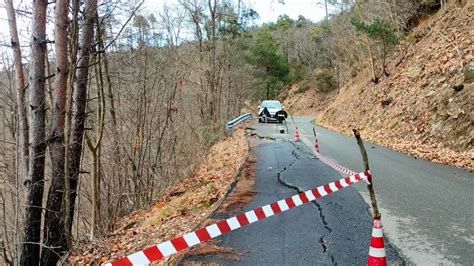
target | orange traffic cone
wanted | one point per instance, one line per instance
(377, 255)
(316, 145)
(297, 135)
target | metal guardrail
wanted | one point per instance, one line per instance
(231, 124)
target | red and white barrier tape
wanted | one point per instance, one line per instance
(167, 248)
(334, 164)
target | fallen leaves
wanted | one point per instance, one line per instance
(178, 211)
(243, 192)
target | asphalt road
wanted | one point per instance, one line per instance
(335, 229)
(427, 208)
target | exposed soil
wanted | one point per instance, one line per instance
(243, 192)
(240, 196)
(310, 102)
(210, 248)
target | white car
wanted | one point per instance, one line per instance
(273, 107)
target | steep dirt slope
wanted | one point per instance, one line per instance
(415, 109)
(309, 102)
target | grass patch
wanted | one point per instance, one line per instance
(303, 87)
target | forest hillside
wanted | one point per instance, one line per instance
(424, 106)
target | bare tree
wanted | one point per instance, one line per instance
(20, 95)
(95, 145)
(79, 111)
(113, 209)
(31, 244)
(54, 239)
(172, 19)
(374, 79)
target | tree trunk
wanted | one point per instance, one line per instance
(384, 60)
(96, 225)
(95, 221)
(54, 239)
(74, 50)
(30, 254)
(374, 79)
(79, 107)
(20, 92)
(114, 209)
(326, 17)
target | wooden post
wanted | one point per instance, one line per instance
(370, 186)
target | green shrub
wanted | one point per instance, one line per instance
(326, 81)
(304, 86)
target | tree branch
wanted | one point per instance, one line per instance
(123, 27)
(375, 208)
(7, 141)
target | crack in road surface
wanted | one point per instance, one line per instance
(315, 203)
(340, 233)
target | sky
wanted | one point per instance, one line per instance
(269, 10)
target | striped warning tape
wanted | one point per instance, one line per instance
(327, 161)
(334, 164)
(167, 248)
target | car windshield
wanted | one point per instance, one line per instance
(271, 105)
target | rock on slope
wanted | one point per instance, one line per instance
(415, 109)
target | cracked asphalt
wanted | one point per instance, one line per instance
(427, 208)
(332, 230)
